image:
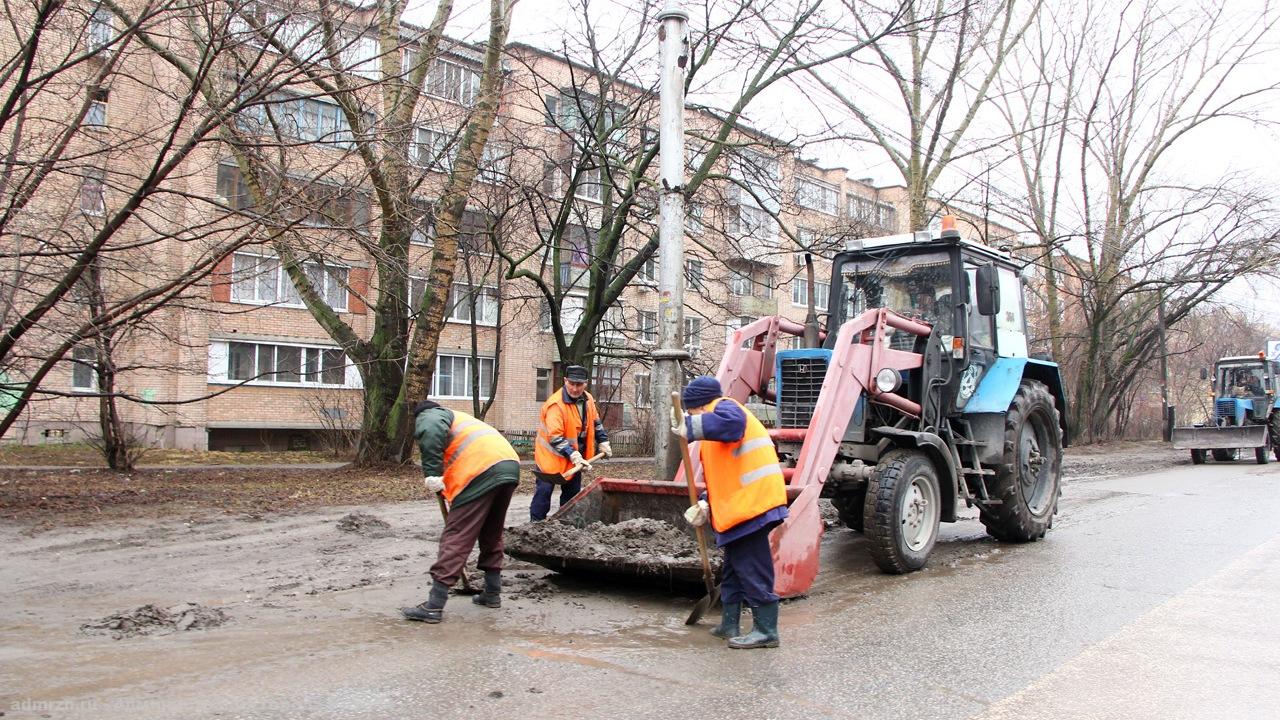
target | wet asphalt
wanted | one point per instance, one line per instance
(1154, 596)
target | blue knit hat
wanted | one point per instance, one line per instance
(700, 391)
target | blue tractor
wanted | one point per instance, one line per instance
(1246, 413)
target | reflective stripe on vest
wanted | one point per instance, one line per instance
(473, 448)
(744, 479)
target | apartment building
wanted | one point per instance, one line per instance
(253, 368)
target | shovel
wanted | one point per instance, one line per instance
(467, 588)
(713, 591)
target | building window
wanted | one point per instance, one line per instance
(433, 149)
(613, 325)
(757, 176)
(453, 377)
(261, 363)
(233, 189)
(871, 212)
(649, 270)
(301, 118)
(816, 195)
(478, 302)
(739, 283)
(84, 368)
(693, 335)
(571, 307)
(693, 219)
(96, 116)
(608, 383)
(495, 163)
(542, 386)
(261, 280)
(753, 222)
(93, 193)
(736, 324)
(800, 293)
(452, 81)
(693, 273)
(648, 326)
(101, 29)
(590, 182)
(644, 392)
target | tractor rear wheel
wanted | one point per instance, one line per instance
(1262, 454)
(1197, 457)
(851, 506)
(902, 511)
(1226, 455)
(1029, 477)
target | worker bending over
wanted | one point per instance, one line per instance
(746, 497)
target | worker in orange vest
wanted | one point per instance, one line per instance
(569, 431)
(476, 470)
(746, 497)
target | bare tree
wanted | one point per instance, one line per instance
(1115, 94)
(938, 72)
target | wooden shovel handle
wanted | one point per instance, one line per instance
(574, 470)
(701, 530)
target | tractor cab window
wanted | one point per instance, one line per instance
(917, 286)
(979, 325)
(1241, 381)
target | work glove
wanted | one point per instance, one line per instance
(606, 449)
(697, 515)
(434, 483)
(681, 430)
(576, 458)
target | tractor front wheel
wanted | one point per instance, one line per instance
(1274, 432)
(902, 511)
(1029, 477)
(1197, 457)
(1262, 454)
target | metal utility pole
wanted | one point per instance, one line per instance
(673, 49)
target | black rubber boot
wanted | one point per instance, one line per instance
(431, 611)
(492, 595)
(730, 621)
(764, 631)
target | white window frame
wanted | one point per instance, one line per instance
(495, 163)
(571, 309)
(590, 184)
(486, 305)
(648, 323)
(285, 293)
(466, 363)
(462, 88)
(692, 335)
(440, 149)
(695, 273)
(814, 194)
(100, 30)
(220, 359)
(800, 293)
(739, 283)
(613, 325)
(648, 273)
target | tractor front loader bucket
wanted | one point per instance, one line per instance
(1214, 438)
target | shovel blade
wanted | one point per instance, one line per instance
(708, 601)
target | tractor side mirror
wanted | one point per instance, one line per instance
(988, 282)
(1204, 373)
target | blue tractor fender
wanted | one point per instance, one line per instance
(943, 459)
(1000, 383)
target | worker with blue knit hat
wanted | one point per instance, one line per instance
(746, 498)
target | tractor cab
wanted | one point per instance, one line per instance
(1244, 390)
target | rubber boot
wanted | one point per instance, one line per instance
(730, 621)
(492, 595)
(764, 631)
(431, 611)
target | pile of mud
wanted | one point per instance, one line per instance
(153, 620)
(364, 524)
(641, 547)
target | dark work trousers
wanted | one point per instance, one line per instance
(482, 519)
(542, 492)
(748, 570)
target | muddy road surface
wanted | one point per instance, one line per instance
(1154, 596)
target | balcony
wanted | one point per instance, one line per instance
(752, 306)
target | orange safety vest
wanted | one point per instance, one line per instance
(473, 447)
(559, 418)
(744, 479)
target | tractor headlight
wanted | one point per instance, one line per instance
(888, 380)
